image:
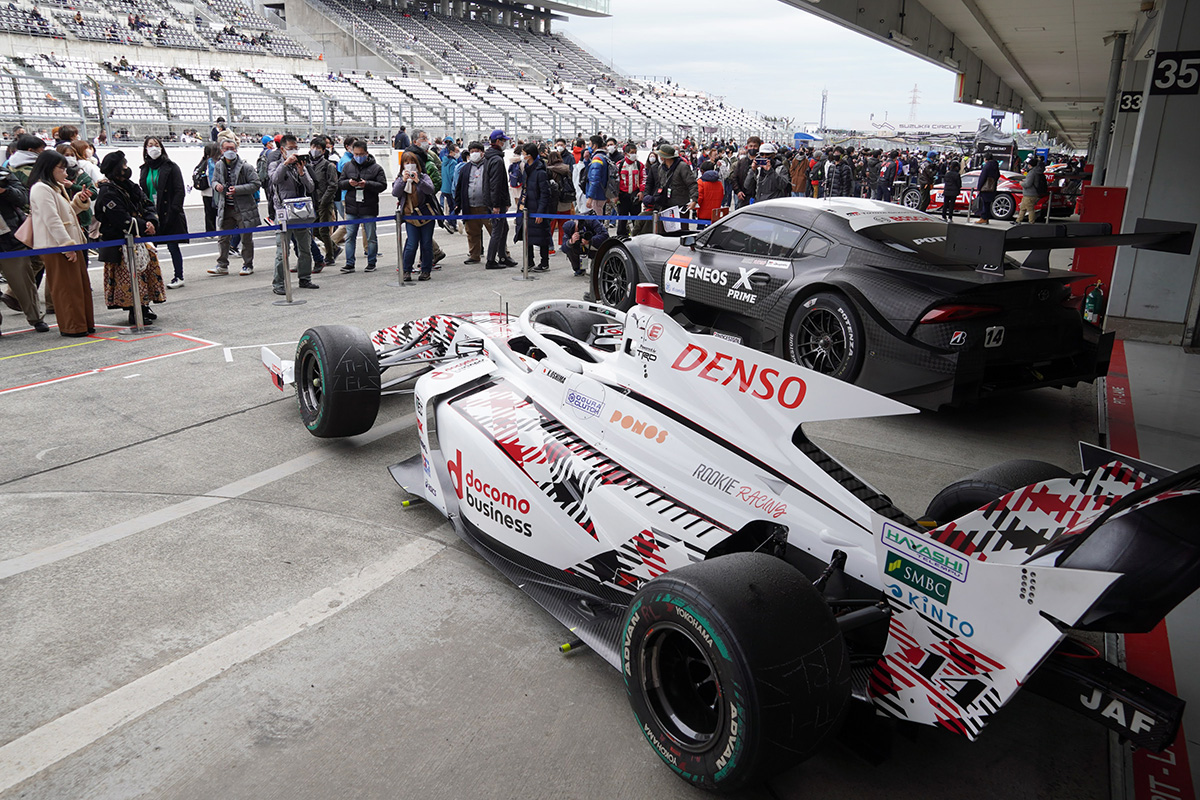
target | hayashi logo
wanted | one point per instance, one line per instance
(654, 331)
(759, 383)
(581, 402)
(488, 500)
(651, 432)
(931, 555)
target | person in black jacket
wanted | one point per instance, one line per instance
(887, 177)
(989, 178)
(364, 180)
(401, 141)
(536, 198)
(325, 193)
(950, 190)
(838, 176)
(768, 178)
(580, 236)
(162, 181)
(925, 179)
(17, 269)
(121, 206)
(498, 199)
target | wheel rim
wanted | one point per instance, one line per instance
(822, 342)
(681, 687)
(912, 199)
(311, 383)
(1001, 206)
(613, 280)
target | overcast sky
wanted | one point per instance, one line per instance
(770, 57)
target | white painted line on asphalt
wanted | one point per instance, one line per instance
(230, 491)
(43, 747)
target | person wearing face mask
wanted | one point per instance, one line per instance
(363, 180)
(743, 169)
(598, 171)
(631, 188)
(450, 166)
(55, 223)
(234, 184)
(498, 199)
(162, 180)
(325, 193)
(567, 153)
(432, 164)
(122, 203)
(289, 180)
(470, 198)
(85, 156)
(415, 191)
(536, 197)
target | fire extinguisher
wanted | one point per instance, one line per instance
(1093, 304)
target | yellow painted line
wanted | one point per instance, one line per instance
(52, 349)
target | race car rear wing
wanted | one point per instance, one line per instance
(986, 247)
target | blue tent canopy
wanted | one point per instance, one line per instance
(805, 137)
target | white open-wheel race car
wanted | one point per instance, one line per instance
(655, 491)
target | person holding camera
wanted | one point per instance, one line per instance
(122, 205)
(415, 190)
(234, 185)
(162, 180)
(324, 175)
(579, 237)
(287, 180)
(767, 178)
(363, 180)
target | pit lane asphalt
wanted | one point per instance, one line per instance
(194, 640)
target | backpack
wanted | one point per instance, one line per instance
(514, 175)
(555, 192)
(200, 175)
(566, 189)
(613, 188)
(582, 180)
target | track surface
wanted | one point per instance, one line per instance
(201, 600)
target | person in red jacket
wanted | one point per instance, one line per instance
(712, 191)
(631, 185)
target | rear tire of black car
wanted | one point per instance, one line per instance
(337, 381)
(987, 486)
(826, 336)
(911, 198)
(1003, 207)
(614, 278)
(735, 669)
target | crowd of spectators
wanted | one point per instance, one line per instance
(71, 197)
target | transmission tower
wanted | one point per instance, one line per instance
(912, 104)
(824, 101)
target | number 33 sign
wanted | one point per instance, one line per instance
(1176, 73)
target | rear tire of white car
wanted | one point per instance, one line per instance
(614, 279)
(987, 486)
(735, 669)
(826, 336)
(1003, 207)
(337, 381)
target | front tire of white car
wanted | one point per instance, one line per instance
(735, 669)
(337, 381)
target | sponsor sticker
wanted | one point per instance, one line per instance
(654, 331)
(638, 427)
(675, 275)
(729, 337)
(747, 377)
(958, 339)
(583, 403)
(946, 562)
(914, 575)
(993, 336)
(932, 610)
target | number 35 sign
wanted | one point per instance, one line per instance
(1176, 73)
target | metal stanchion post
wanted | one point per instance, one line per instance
(654, 213)
(134, 286)
(525, 248)
(287, 275)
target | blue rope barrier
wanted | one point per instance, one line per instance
(187, 237)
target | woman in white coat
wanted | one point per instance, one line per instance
(55, 222)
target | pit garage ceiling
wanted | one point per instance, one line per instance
(1047, 59)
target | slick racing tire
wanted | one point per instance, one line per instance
(826, 336)
(735, 669)
(988, 485)
(911, 198)
(614, 279)
(337, 381)
(1003, 206)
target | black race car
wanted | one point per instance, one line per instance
(873, 293)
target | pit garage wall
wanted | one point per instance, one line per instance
(1164, 183)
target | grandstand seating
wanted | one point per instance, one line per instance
(490, 75)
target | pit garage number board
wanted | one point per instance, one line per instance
(1176, 72)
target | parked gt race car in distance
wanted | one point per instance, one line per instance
(749, 587)
(864, 291)
(1006, 201)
